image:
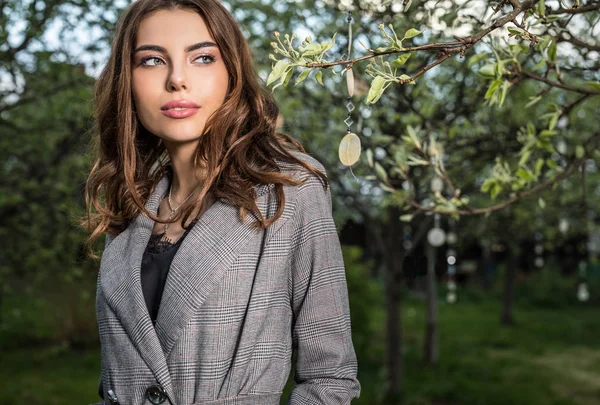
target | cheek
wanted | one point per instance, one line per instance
(142, 91)
(218, 87)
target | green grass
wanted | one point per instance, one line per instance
(550, 356)
(49, 376)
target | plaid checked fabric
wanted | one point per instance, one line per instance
(236, 303)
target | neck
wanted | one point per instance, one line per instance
(185, 177)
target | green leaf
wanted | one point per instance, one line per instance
(478, 57)
(406, 217)
(496, 189)
(524, 157)
(381, 172)
(492, 89)
(401, 60)
(288, 76)
(551, 163)
(376, 89)
(553, 121)
(541, 9)
(503, 92)
(579, 151)
(552, 51)
(413, 32)
(486, 186)
(414, 161)
(311, 49)
(278, 71)
(533, 101)
(515, 30)
(541, 203)
(540, 64)
(387, 188)
(593, 85)
(525, 175)
(302, 76)
(412, 132)
(319, 77)
(325, 46)
(369, 155)
(539, 164)
(544, 143)
(545, 40)
(487, 70)
(547, 133)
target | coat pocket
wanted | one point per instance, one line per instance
(252, 399)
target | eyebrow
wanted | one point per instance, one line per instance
(157, 48)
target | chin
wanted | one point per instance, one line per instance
(181, 133)
(181, 138)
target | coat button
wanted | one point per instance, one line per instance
(156, 394)
(113, 398)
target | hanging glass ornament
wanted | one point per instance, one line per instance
(563, 225)
(437, 184)
(436, 236)
(350, 147)
(538, 250)
(451, 294)
(582, 289)
(349, 151)
(452, 238)
(582, 292)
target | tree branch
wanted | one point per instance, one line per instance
(575, 10)
(570, 170)
(557, 84)
(460, 45)
(568, 37)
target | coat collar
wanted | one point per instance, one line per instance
(209, 249)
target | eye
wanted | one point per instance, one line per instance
(151, 61)
(205, 59)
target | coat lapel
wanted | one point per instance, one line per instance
(206, 253)
(121, 285)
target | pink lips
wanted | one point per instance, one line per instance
(180, 108)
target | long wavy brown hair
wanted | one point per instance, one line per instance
(238, 149)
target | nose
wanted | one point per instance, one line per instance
(177, 80)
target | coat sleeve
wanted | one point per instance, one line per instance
(326, 365)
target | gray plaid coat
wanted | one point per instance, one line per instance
(236, 302)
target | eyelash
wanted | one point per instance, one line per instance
(146, 59)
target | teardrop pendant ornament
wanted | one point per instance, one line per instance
(350, 82)
(349, 151)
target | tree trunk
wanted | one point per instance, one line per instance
(394, 341)
(510, 274)
(431, 330)
(486, 263)
(394, 258)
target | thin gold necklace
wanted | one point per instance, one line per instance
(174, 210)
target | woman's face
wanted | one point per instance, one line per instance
(179, 77)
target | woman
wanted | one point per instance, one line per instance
(221, 254)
